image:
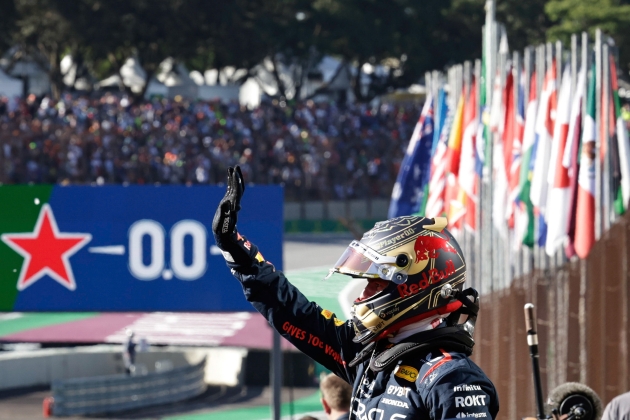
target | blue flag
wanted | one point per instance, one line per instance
(441, 109)
(414, 172)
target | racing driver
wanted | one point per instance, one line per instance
(406, 349)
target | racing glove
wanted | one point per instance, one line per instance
(239, 253)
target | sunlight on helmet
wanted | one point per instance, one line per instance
(406, 261)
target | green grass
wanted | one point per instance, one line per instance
(17, 322)
(304, 405)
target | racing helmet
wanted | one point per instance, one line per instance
(419, 259)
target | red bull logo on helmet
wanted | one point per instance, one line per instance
(429, 246)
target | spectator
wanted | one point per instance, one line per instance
(618, 408)
(336, 396)
(129, 353)
(316, 150)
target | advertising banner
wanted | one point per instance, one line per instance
(126, 248)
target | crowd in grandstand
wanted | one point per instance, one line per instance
(317, 150)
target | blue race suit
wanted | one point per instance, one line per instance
(437, 384)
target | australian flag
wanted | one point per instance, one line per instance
(416, 166)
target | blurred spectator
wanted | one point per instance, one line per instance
(336, 396)
(143, 345)
(618, 408)
(308, 418)
(316, 150)
(129, 353)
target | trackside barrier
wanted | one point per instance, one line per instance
(104, 394)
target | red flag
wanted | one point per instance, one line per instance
(513, 149)
(571, 160)
(502, 164)
(468, 177)
(585, 207)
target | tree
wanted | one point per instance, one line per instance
(282, 34)
(44, 35)
(8, 16)
(525, 22)
(574, 16)
(395, 36)
(112, 31)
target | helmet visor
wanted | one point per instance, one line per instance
(359, 260)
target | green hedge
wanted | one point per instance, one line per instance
(325, 225)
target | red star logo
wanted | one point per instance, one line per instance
(46, 251)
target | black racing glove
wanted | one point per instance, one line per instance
(238, 252)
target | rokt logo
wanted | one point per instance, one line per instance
(470, 401)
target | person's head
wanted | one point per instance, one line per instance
(336, 395)
(407, 261)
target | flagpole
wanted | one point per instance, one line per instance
(435, 89)
(468, 249)
(529, 63)
(490, 40)
(540, 75)
(608, 215)
(486, 201)
(558, 258)
(548, 58)
(515, 256)
(477, 232)
(497, 240)
(574, 64)
(599, 202)
(585, 63)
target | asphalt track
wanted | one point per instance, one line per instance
(306, 257)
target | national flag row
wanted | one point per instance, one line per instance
(547, 148)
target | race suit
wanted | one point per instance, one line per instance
(437, 384)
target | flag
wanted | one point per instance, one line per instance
(414, 170)
(558, 177)
(611, 174)
(542, 151)
(513, 154)
(441, 111)
(480, 140)
(585, 207)
(623, 146)
(440, 114)
(452, 206)
(524, 223)
(455, 139)
(497, 111)
(496, 106)
(467, 177)
(437, 183)
(571, 159)
(506, 132)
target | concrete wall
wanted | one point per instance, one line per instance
(350, 209)
(40, 367)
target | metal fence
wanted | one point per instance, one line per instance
(105, 394)
(582, 313)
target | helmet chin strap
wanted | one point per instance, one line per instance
(392, 330)
(416, 327)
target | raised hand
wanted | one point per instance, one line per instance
(224, 223)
